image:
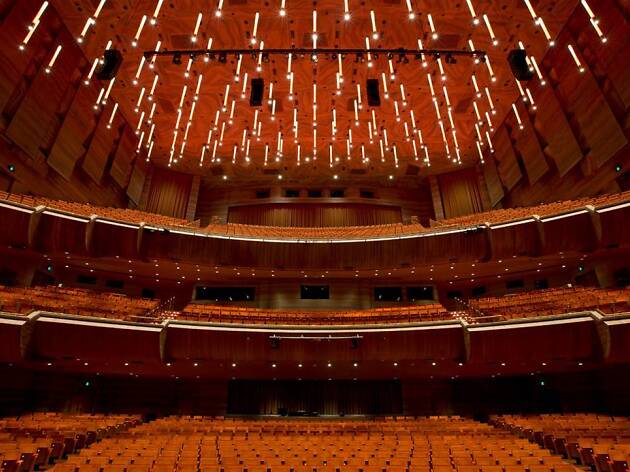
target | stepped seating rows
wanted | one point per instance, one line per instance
(531, 304)
(221, 314)
(596, 441)
(35, 440)
(341, 232)
(85, 209)
(438, 444)
(543, 210)
(76, 301)
(549, 302)
(350, 232)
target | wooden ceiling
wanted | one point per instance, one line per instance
(119, 21)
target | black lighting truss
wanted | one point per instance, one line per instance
(402, 53)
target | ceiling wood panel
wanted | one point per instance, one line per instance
(119, 21)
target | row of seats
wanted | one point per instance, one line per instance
(76, 301)
(596, 441)
(530, 304)
(436, 444)
(34, 441)
(542, 210)
(222, 314)
(553, 301)
(86, 209)
(340, 232)
(349, 232)
(400, 229)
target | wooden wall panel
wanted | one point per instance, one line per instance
(493, 182)
(314, 215)
(560, 144)
(508, 168)
(528, 147)
(123, 160)
(136, 182)
(215, 201)
(72, 140)
(50, 131)
(612, 60)
(101, 146)
(599, 129)
(13, 62)
(42, 101)
(579, 114)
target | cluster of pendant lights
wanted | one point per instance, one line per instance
(145, 106)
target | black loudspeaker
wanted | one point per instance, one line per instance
(256, 96)
(112, 60)
(373, 95)
(518, 63)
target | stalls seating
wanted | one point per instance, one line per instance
(437, 444)
(599, 442)
(35, 440)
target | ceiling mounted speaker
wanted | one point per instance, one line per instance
(112, 60)
(518, 63)
(256, 95)
(373, 95)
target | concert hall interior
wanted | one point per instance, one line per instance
(305, 236)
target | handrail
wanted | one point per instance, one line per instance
(474, 312)
(439, 227)
(160, 308)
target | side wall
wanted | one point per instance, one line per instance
(577, 132)
(574, 138)
(53, 142)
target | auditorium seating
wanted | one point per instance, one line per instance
(346, 232)
(438, 444)
(341, 232)
(87, 210)
(597, 441)
(554, 301)
(222, 314)
(34, 440)
(76, 301)
(543, 210)
(537, 303)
